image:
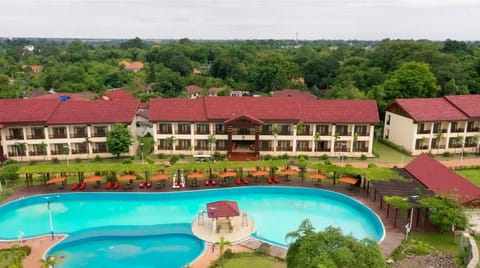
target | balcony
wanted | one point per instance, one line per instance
(82, 151)
(473, 129)
(266, 132)
(285, 149)
(36, 137)
(99, 150)
(220, 132)
(423, 131)
(183, 131)
(342, 150)
(285, 133)
(55, 152)
(266, 148)
(323, 150)
(361, 150)
(363, 134)
(164, 131)
(438, 147)
(164, 147)
(304, 149)
(202, 132)
(58, 136)
(179, 147)
(11, 154)
(220, 148)
(348, 133)
(458, 130)
(78, 135)
(99, 134)
(15, 137)
(32, 153)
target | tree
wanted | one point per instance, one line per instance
(42, 148)
(457, 140)
(412, 80)
(48, 262)
(211, 142)
(22, 148)
(222, 243)
(321, 71)
(444, 212)
(474, 140)
(169, 142)
(119, 140)
(316, 138)
(330, 248)
(438, 139)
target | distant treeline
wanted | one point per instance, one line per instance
(380, 70)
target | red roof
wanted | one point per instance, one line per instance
(179, 110)
(294, 93)
(117, 94)
(192, 89)
(430, 109)
(87, 112)
(273, 109)
(223, 209)
(469, 104)
(20, 111)
(442, 180)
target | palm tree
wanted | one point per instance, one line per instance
(275, 132)
(316, 138)
(222, 243)
(474, 140)
(42, 148)
(170, 141)
(299, 127)
(87, 144)
(355, 139)
(211, 141)
(21, 147)
(438, 139)
(48, 262)
(457, 140)
(336, 137)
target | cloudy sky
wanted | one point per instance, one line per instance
(242, 19)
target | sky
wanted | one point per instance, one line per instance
(242, 19)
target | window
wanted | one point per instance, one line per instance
(220, 129)
(389, 117)
(183, 145)
(15, 134)
(59, 132)
(184, 128)
(266, 146)
(360, 146)
(304, 130)
(284, 146)
(453, 126)
(165, 128)
(342, 130)
(202, 145)
(284, 129)
(437, 127)
(361, 130)
(79, 132)
(37, 133)
(303, 146)
(267, 129)
(221, 145)
(99, 147)
(99, 131)
(202, 128)
(323, 129)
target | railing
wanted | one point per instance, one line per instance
(178, 147)
(32, 153)
(361, 150)
(438, 147)
(36, 137)
(473, 129)
(100, 134)
(79, 151)
(15, 137)
(421, 147)
(183, 131)
(58, 136)
(342, 150)
(366, 133)
(266, 148)
(219, 132)
(202, 132)
(164, 131)
(54, 152)
(304, 149)
(243, 132)
(78, 135)
(164, 147)
(97, 151)
(285, 133)
(266, 132)
(286, 149)
(423, 131)
(457, 130)
(306, 133)
(221, 148)
(323, 150)
(348, 133)
(16, 154)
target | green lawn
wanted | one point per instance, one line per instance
(440, 241)
(387, 154)
(472, 175)
(254, 261)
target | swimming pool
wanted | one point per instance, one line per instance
(275, 210)
(165, 246)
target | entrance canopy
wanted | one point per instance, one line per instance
(223, 209)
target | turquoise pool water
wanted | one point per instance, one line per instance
(275, 210)
(162, 246)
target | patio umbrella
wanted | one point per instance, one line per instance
(348, 180)
(92, 179)
(258, 173)
(228, 174)
(318, 176)
(288, 172)
(127, 177)
(195, 175)
(56, 179)
(160, 177)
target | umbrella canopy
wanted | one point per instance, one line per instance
(318, 176)
(348, 180)
(56, 179)
(195, 175)
(223, 209)
(92, 179)
(259, 173)
(127, 177)
(289, 172)
(160, 177)
(228, 174)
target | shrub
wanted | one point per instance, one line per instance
(284, 156)
(32, 162)
(303, 157)
(267, 157)
(78, 160)
(228, 254)
(446, 154)
(372, 165)
(55, 160)
(161, 156)
(127, 161)
(98, 158)
(327, 162)
(174, 159)
(150, 160)
(324, 157)
(363, 157)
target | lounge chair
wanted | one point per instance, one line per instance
(108, 185)
(245, 180)
(148, 184)
(206, 182)
(238, 181)
(128, 186)
(116, 184)
(75, 186)
(269, 180)
(82, 186)
(141, 185)
(276, 180)
(213, 182)
(160, 185)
